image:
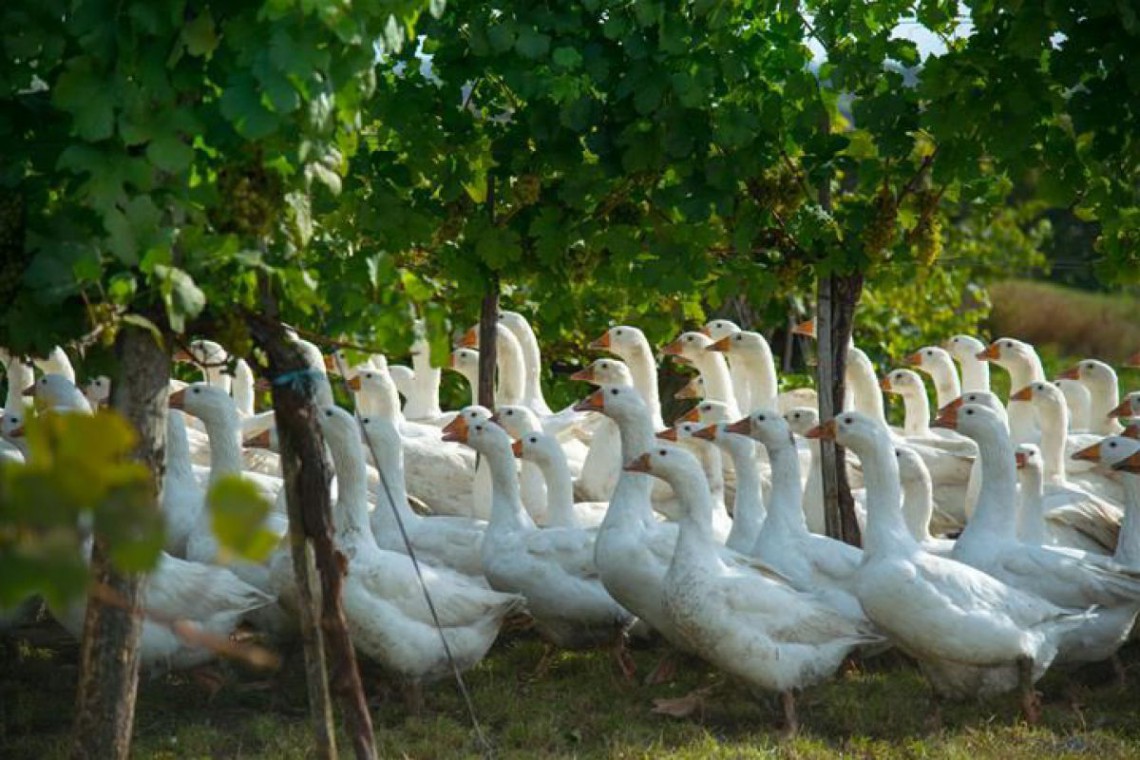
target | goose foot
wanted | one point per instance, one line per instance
(623, 658)
(1030, 700)
(664, 671)
(791, 725)
(683, 707)
(544, 662)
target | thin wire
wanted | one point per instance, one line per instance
(488, 750)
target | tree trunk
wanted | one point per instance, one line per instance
(488, 343)
(837, 297)
(307, 475)
(108, 655)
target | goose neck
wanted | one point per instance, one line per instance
(631, 497)
(995, 513)
(350, 516)
(507, 510)
(639, 359)
(918, 505)
(696, 519)
(424, 403)
(178, 467)
(886, 529)
(224, 434)
(389, 457)
(512, 372)
(785, 500)
(865, 393)
(1031, 526)
(1128, 544)
(718, 382)
(975, 374)
(559, 490)
(1104, 395)
(1054, 421)
(761, 373)
(946, 385)
(917, 407)
(749, 502)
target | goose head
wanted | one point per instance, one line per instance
(705, 412)
(514, 322)
(688, 346)
(12, 424)
(54, 391)
(605, 372)
(904, 382)
(202, 352)
(856, 431)
(1045, 396)
(975, 421)
(619, 402)
(1028, 457)
(670, 463)
(538, 447)
(1090, 371)
(464, 361)
(620, 340)
(765, 426)
(929, 357)
(981, 398)
(378, 383)
(695, 388)
(1110, 450)
(741, 342)
(964, 347)
(801, 419)
(1128, 407)
(339, 429)
(208, 403)
(720, 328)
(516, 420)
(1007, 352)
(911, 467)
(380, 432)
(478, 432)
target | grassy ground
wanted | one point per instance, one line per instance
(580, 708)
(1066, 321)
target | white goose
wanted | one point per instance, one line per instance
(1020, 360)
(532, 360)
(182, 495)
(739, 617)
(1104, 392)
(1079, 401)
(972, 634)
(1032, 525)
(748, 512)
(518, 420)
(544, 451)
(691, 346)
(918, 501)
(975, 371)
(712, 465)
(97, 391)
(1090, 505)
(1065, 577)
(465, 361)
(751, 354)
(743, 377)
(938, 363)
(810, 561)
(211, 359)
(511, 388)
(441, 540)
(602, 467)
(423, 394)
(859, 377)
(56, 363)
(630, 345)
(552, 568)
(387, 615)
(1123, 455)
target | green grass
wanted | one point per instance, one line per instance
(580, 708)
(1066, 321)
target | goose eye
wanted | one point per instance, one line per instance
(613, 391)
(738, 337)
(1112, 445)
(510, 412)
(1089, 367)
(197, 390)
(533, 440)
(618, 332)
(930, 353)
(1007, 344)
(479, 428)
(796, 415)
(328, 413)
(689, 339)
(760, 418)
(847, 420)
(366, 421)
(969, 411)
(663, 452)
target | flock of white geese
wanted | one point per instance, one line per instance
(998, 538)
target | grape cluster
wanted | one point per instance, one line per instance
(13, 224)
(249, 200)
(880, 233)
(525, 190)
(779, 190)
(927, 234)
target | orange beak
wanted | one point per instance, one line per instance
(806, 328)
(602, 343)
(456, 430)
(693, 415)
(668, 434)
(177, 399)
(952, 406)
(947, 419)
(516, 447)
(1132, 431)
(595, 402)
(673, 349)
(885, 382)
(824, 432)
(330, 363)
(1130, 464)
(721, 345)
(1072, 373)
(1021, 459)
(354, 382)
(17, 432)
(1123, 409)
(706, 433)
(182, 355)
(641, 464)
(260, 441)
(915, 359)
(742, 426)
(30, 391)
(586, 374)
(1089, 454)
(991, 353)
(470, 338)
(1025, 394)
